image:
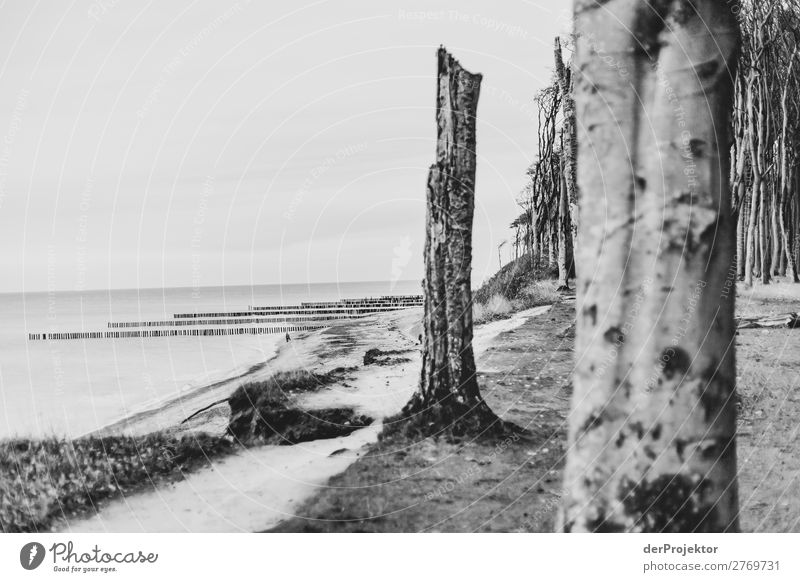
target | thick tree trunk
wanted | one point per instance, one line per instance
(651, 433)
(448, 397)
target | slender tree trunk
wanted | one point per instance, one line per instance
(754, 189)
(565, 248)
(448, 397)
(775, 237)
(790, 265)
(569, 147)
(529, 235)
(741, 237)
(740, 189)
(796, 220)
(760, 162)
(763, 247)
(757, 250)
(750, 248)
(784, 194)
(651, 433)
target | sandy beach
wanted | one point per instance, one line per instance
(257, 488)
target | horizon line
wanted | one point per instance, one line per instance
(94, 290)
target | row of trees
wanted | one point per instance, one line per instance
(546, 229)
(679, 129)
(765, 153)
(766, 150)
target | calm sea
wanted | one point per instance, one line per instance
(71, 387)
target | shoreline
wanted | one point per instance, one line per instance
(317, 350)
(361, 482)
(257, 488)
(69, 388)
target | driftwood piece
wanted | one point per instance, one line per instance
(790, 320)
(212, 405)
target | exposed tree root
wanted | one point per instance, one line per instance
(448, 419)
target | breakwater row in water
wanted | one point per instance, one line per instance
(342, 308)
(386, 301)
(222, 321)
(170, 332)
(312, 315)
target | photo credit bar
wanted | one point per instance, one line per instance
(402, 557)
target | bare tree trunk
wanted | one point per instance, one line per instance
(791, 270)
(755, 188)
(651, 433)
(750, 247)
(757, 250)
(741, 237)
(795, 214)
(565, 248)
(775, 237)
(564, 75)
(740, 192)
(763, 245)
(784, 192)
(448, 397)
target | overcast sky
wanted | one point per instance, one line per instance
(151, 144)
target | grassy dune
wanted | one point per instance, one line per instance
(517, 286)
(44, 480)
